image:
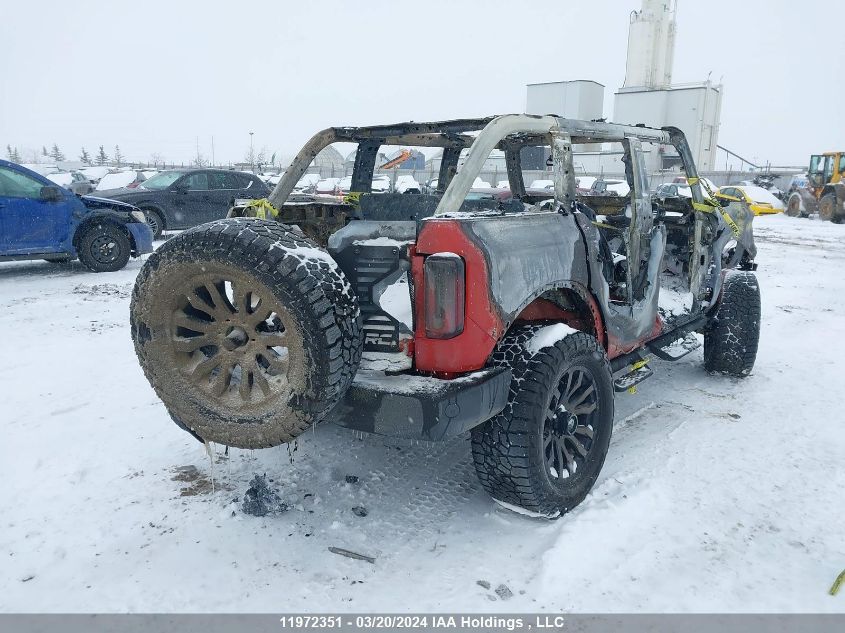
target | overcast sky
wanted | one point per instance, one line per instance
(154, 76)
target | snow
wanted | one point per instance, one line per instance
(63, 178)
(717, 494)
(396, 301)
(115, 181)
(95, 173)
(548, 336)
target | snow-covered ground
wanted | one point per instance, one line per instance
(717, 495)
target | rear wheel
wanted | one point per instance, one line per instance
(731, 339)
(544, 451)
(827, 208)
(104, 247)
(246, 330)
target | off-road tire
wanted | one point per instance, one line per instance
(104, 247)
(731, 338)
(793, 206)
(827, 208)
(508, 450)
(314, 310)
(155, 221)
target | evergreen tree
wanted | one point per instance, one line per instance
(16, 156)
(102, 157)
(56, 153)
(9, 152)
(84, 157)
(44, 150)
(118, 157)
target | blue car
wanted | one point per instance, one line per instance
(40, 220)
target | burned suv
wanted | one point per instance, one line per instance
(434, 315)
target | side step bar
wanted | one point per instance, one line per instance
(633, 367)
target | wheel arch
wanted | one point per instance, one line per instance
(154, 206)
(102, 218)
(569, 302)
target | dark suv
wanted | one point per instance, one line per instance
(182, 198)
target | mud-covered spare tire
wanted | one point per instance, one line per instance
(247, 331)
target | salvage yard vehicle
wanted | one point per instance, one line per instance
(40, 220)
(824, 192)
(182, 198)
(760, 201)
(433, 315)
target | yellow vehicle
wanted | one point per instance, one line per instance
(825, 190)
(759, 200)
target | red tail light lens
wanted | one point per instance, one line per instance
(444, 295)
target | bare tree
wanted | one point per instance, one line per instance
(156, 158)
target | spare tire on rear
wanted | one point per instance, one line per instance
(247, 331)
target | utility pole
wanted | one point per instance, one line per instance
(212, 152)
(251, 154)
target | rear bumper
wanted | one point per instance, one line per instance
(422, 408)
(142, 235)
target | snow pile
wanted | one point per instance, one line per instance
(548, 336)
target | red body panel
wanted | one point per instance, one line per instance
(483, 327)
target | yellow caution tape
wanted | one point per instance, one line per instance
(639, 364)
(834, 589)
(353, 197)
(262, 209)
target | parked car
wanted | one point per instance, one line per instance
(307, 184)
(382, 184)
(760, 201)
(672, 190)
(407, 184)
(182, 198)
(542, 184)
(73, 180)
(95, 173)
(610, 188)
(326, 187)
(40, 220)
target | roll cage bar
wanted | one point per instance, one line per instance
(508, 132)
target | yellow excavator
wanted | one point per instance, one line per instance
(824, 191)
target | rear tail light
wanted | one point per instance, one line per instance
(444, 295)
(132, 185)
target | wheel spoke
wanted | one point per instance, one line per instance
(261, 381)
(220, 383)
(572, 404)
(258, 315)
(278, 365)
(190, 323)
(570, 460)
(191, 344)
(198, 302)
(578, 446)
(243, 298)
(204, 369)
(573, 388)
(584, 409)
(221, 303)
(584, 430)
(561, 463)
